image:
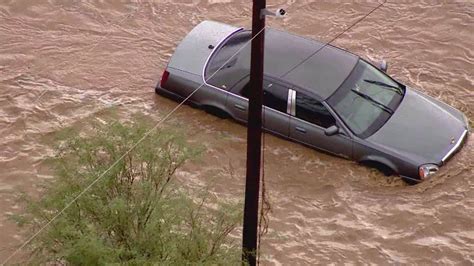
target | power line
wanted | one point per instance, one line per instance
(42, 93)
(265, 206)
(169, 115)
(127, 152)
(333, 39)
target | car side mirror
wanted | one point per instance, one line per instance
(383, 65)
(331, 131)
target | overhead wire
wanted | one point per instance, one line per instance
(333, 39)
(265, 206)
(166, 117)
(44, 91)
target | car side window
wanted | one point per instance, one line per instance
(242, 87)
(275, 96)
(313, 111)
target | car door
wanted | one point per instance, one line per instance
(276, 109)
(276, 118)
(237, 101)
(309, 119)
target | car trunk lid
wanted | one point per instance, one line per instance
(195, 49)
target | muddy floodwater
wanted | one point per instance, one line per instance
(63, 63)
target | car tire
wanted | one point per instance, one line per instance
(216, 111)
(384, 169)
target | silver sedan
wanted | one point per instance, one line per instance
(334, 101)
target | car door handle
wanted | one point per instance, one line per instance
(300, 129)
(240, 107)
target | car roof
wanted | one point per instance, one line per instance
(321, 74)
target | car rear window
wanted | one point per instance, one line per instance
(234, 69)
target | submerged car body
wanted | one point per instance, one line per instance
(333, 101)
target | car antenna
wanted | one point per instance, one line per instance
(335, 38)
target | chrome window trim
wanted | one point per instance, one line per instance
(455, 148)
(288, 102)
(293, 103)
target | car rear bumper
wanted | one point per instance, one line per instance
(168, 94)
(173, 96)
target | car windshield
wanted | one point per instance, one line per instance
(366, 99)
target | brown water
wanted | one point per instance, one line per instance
(63, 62)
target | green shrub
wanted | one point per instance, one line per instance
(137, 213)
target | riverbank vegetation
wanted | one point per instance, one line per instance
(135, 213)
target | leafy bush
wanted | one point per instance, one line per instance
(137, 213)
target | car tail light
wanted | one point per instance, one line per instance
(164, 78)
(427, 170)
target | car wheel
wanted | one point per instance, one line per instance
(215, 111)
(387, 171)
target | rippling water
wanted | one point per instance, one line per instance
(63, 62)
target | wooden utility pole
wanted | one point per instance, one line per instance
(254, 136)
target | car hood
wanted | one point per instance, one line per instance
(422, 129)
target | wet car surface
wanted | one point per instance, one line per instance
(88, 56)
(318, 95)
